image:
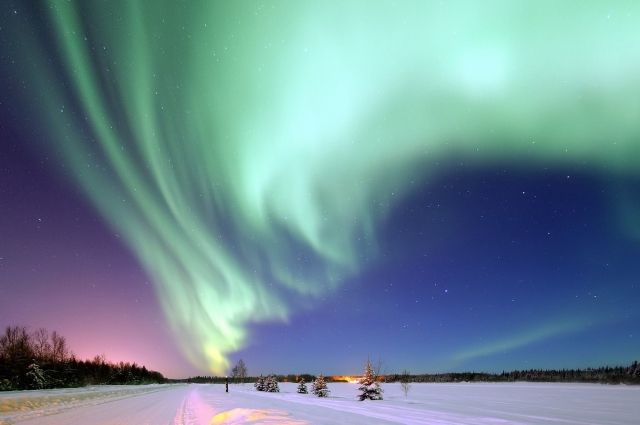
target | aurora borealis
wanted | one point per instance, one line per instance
(260, 158)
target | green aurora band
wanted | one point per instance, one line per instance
(546, 329)
(246, 151)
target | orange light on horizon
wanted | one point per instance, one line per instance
(347, 378)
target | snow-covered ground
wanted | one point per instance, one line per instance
(442, 404)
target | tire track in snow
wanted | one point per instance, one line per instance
(193, 410)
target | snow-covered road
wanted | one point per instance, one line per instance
(442, 404)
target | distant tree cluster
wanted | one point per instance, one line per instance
(268, 384)
(221, 379)
(604, 375)
(40, 359)
(370, 388)
(199, 380)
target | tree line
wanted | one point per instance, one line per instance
(42, 359)
(238, 380)
(604, 375)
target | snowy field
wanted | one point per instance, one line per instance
(442, 404)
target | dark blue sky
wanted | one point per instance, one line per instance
(534, 266)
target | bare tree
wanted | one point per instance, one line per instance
(15, 344)
(60, 349)
(100, 359)
(405, 382)
(378, 370)
(239, 371)
(41, 345)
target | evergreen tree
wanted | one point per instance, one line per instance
(369, 387)
(36, 379)
(271, 384)
(302, 387)
(260, 384)
(5, 385)
(320, 387)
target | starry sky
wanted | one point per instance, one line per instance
(441, 186)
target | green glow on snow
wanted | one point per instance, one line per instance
(247, 150)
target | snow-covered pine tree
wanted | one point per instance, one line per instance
(271, 384)
(302, 387)
(35, 377)
(320, 387)
(260, 383)
(369, 387)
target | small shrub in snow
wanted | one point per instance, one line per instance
(271, 384)
(260, 383)
(320, 387)
(302, 387)
(369, 387)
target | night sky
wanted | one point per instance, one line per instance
(441, 186)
